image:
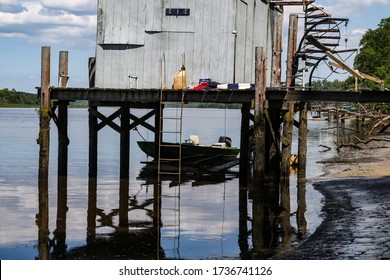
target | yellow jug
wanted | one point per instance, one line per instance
(180, 79)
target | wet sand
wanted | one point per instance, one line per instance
(356, 189)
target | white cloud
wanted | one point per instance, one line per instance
(347, 8)
(49, 21)
(359, 2)
(73, 5)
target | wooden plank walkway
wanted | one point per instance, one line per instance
(364, 96)
(214, 96)
(151, 95)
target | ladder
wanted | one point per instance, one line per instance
(170, 165)
(170, 136)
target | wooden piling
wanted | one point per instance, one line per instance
(124, 167)
(288, 119)
(62, 172)
(63, 143)
(63, 72)
(259, 119)
(288, 125)
(44, 132)
(244, 145)
(273, 111)
(277, 51)
(302, 143)
(92, 171)
(301, 209)
(44, 148)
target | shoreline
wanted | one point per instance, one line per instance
(356, 209)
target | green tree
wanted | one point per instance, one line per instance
(374, 55)
(15, 98)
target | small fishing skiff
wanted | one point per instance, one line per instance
(191, 148)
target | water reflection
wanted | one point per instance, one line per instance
(215, 218)
(151, 226)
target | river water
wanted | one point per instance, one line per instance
(200, 219)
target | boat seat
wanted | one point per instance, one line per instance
(219, 145)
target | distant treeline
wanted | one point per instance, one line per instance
(13, 98)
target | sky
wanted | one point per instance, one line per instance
(27, 25)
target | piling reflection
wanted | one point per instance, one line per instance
(150, 226)
(301, 209)
(42, 220)
(60, 231)
(264, 224)
(129, 237)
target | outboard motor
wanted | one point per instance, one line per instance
(226, 140)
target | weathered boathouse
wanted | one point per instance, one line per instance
(142, 44)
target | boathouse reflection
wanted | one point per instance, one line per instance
(264, 226)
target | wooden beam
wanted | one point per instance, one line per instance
(106, 121)
(142, 121)
(292, 3)
(365, 96)
(334, 57)
(365, 76)
(152, 95)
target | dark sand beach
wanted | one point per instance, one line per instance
(356, 208)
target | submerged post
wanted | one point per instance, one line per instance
(259, 119)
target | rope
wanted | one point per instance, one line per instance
(136, 129)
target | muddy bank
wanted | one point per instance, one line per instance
(356, 210)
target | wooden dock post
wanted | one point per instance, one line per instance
(259, 119)
(289, 115)
(288, 125)
(124, 168)
(63, 143)
(274, 107)
(92, 171)
(244, 145)
(44, 148)
(302, 143)
(44, 132)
